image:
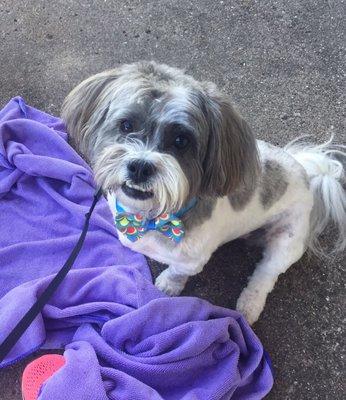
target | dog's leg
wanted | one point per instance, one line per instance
(187, 259)
(173, 279)
(286, 243)
(171, 282)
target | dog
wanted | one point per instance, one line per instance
(162, 144)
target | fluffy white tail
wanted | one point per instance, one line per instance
(324, 166)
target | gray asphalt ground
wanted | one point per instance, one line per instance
(282, 62)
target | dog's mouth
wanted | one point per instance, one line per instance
(135, 191)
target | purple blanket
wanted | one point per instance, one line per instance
(124, 339)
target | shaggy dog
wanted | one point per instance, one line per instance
(166, 147)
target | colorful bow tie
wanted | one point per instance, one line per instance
(135, 226)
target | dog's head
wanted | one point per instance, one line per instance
(157, 137)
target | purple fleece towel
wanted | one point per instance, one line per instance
(124, 339)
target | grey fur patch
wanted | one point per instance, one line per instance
(231, 158)
(306, 180)
(241, 197)
(200, 213)
(274, 183)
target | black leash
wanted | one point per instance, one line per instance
(37, 307)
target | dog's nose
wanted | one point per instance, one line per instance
(140, 171)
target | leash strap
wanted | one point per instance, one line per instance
(37, 307)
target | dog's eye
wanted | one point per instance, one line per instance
(181, 142)
(126, 126)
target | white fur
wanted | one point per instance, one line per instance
(170, 185)
(326, 175)
(288, 222)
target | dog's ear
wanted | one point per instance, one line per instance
(85, 107)
(231, 156)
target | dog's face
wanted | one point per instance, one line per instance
(157, 138)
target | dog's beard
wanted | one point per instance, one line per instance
(169, 186)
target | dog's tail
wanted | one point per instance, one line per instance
(324, 166)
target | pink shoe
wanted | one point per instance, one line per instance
(37, 372)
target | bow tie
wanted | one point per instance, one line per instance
(135, 226)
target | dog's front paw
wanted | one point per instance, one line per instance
(251, 304)
(171, 285)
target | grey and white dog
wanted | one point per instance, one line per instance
(157, 138)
